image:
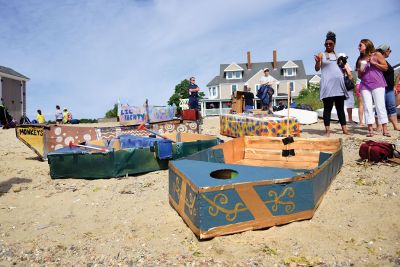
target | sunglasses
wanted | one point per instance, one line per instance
(329, 44)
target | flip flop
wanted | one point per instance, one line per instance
(387, 134)
(370, 134)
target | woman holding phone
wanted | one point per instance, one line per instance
(370, 66)
(332, 87)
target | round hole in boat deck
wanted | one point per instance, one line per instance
(224, 174)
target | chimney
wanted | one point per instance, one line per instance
(248, 61)
(274, 63)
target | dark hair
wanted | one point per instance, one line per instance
(57, 107)
(39, 111)
(331, 36)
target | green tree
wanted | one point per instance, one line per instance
(181, 91)
(112, 113)
(310, 96)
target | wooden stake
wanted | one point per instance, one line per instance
(288, 110)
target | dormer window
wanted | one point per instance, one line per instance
(290, 69)
(233, 75)
(289, 72)
(233, 71)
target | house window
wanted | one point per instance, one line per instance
(291, 84)
(290, 72)
(213, 91)
(233, 88)
(233, 75)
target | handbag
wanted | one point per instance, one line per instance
(348, 83)
(376, 151)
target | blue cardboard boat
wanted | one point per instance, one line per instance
(252, 183)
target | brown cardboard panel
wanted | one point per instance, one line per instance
(288, 163)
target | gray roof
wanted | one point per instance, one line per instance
(12, 72)
(310, 76)
(214, 81)
(256, 67)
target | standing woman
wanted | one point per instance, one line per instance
(332, 87)
(370, 66)
(390, 98)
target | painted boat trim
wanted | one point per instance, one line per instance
(262, 217)
(51, 141)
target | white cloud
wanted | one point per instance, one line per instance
(86, 55)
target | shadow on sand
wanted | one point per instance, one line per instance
(6, 185)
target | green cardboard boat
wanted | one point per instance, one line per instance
(125, 155)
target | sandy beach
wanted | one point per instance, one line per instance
(129, 222)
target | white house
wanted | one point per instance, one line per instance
(288, 74)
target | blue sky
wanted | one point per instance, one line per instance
(85, 55)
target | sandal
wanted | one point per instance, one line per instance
(370, 134)
(387, 134)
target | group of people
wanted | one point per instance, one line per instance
(61, 117)
(376, 86)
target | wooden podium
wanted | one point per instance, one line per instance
(237, 102)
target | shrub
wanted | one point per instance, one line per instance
(310, 96)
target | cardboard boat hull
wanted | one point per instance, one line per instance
(43, 139)
(265, 190)
(79, 163)
(237, 125)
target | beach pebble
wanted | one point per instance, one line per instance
(17, 189)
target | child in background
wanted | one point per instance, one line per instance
(67, 116)
(40, 117)
(360, 103)
(397, 90)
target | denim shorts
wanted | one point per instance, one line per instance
(390, 102)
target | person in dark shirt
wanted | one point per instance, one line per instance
(248, 98)
(193, 94)
(390, 98)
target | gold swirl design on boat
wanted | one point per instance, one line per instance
(193, 125)
(177, 186)
(189, 202)
(214, 209)
(289, 205)
(169, 127)
(181, 128)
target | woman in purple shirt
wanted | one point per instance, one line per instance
(370, 66)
